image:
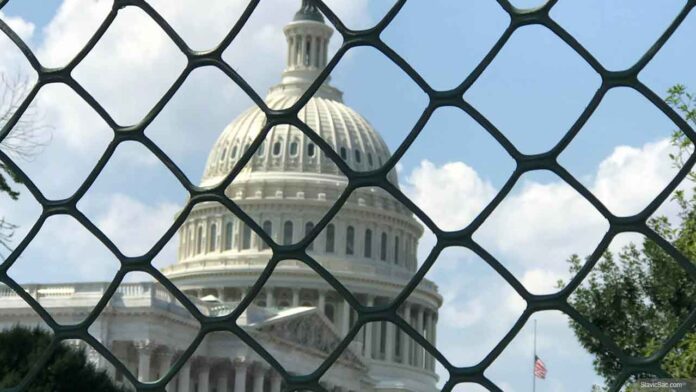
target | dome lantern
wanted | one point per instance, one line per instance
(307, 37)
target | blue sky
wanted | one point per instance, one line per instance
(533, 92)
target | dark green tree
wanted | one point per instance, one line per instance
(66, 371)
(640, 295)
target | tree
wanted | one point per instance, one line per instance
(68, 369)
(29, 135)
(640, 295)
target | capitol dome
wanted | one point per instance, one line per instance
(370, 246)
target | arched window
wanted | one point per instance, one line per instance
(228, 235)
(276, 148)
(330, 236)
(383, 247)
(308, 227)
(310, 149)
(224, 152)
(350, 240)
(212, 238)
(199, 241)
(396, 250)
(344, 153)
(368, 243)
(246, 237)
(369, 159)
(287, 233)
(317, 45)
(268, 228)
(293, 148)
(233, 154)
(357, 156)
(329, 312)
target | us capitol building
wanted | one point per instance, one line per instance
(289, 184)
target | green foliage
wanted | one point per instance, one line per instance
(640, 296)
(66, 371)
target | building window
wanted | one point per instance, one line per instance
(224, 152)
(383, 247)
(287, 233)
(310, 149)
(191, 245)
(308, 227)
(212, 239)
(268, 228)
(396, 250)
(308, 51)
(276, 148)
(369, 159)
(350, 240)
(228, 235)
(368, 243)
(344, 153)
(329, 312)
(199, 241)
(233, 154)
(261, 149)
(330, 234)
(357, 156)
(246, 237)
(293, 149)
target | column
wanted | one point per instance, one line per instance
(275, 382)
(322, 300)
(290, 43)
(203, 376)
(269, 297)
(405, 338)
(185, 377)
(240, 375)
(221, 383)
(419, 326)
(345, 318)
(389, 347)
(165, 362)
(144, 356)
(259, 378)
(426, 335)
(220, 293)
(367, 344)
(296, 298)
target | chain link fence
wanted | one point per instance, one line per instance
(437, 98)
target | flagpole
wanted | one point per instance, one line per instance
(534, 360)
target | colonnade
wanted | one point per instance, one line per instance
(380, 340)
(204, 374)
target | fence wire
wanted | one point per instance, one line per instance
(357, 179)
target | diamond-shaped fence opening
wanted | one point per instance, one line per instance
(160, 66)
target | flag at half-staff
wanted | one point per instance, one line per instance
(539, 368)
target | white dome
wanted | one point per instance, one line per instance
(286, 148)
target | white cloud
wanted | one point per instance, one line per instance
(475, 314)
(452, 195)
(631, 177)
(133, 225)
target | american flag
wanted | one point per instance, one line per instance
(539, 368)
